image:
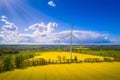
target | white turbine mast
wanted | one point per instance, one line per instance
(71, 42)
(58, 41)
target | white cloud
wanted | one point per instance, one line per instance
(41, 29)
(25, 29)
(51, 26)
(3, 17)
(51, 3)
(10, 37)
(38, 26)
(52, 38)
(8, 26)
(83, 37)
(26, 38)
(44, 34)
(4, 20)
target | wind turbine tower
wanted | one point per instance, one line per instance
(71, 36)
(71, 42)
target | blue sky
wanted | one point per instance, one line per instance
(50, 21)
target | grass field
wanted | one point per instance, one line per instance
(80, 71)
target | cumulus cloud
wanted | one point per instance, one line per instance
(8, 26)
(45, 34)
(80, 36)
(3, 17)
(9, 37)
(4, 20)
(25, 29)
(42, 32)
(26, 38)
(38, 26)
(40, 29)
(51, 3)
(9, 33)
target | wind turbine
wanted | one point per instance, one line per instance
(58, 41)
(71, 42)
(71, 36)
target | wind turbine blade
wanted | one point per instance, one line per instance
(75, 37)
(68, 36)
(72, 30)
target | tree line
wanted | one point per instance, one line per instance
(11, 62)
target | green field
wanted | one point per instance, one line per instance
(74, 71)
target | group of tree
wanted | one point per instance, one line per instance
(105, 59)
(35, 62)
(62, 60)
(5, 50)
(92, 60)
(14, 49)
(11, 62)
(7, 63)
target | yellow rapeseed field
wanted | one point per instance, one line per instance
(54, 55)
(74, 71)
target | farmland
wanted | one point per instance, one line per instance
(73, 71)
(54, 56)
(87, 71)
(47, 63)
